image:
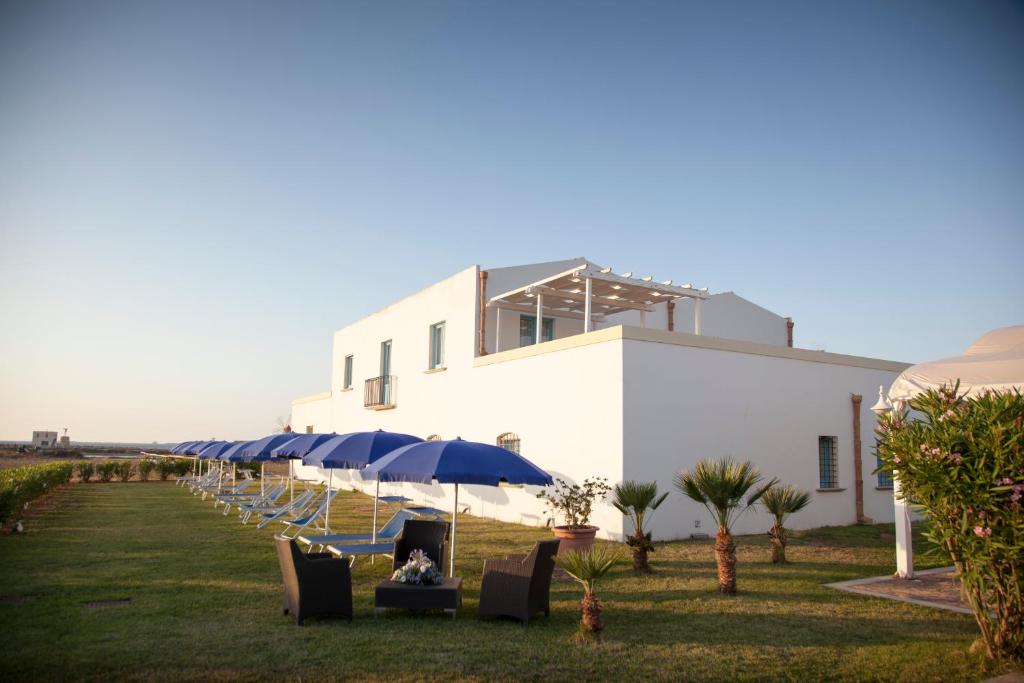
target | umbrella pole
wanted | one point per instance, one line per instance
(327, 510)
(263, 478)
(234, 468)
(291, 483)
(375, 496)
(455, 513)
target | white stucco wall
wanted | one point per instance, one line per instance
(312, 411)
(565, 405)
(683, 404)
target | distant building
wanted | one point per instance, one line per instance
(44, 439)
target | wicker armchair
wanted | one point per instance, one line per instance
(519, 586)
(430, 536)
(315, 584)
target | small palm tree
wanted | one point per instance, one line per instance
(634, 499)
(587, 566)
(781, 502)
(720, 485)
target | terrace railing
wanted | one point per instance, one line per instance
(379, 392)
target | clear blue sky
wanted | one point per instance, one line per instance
(194, 195)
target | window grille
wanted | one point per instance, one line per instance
(827, 462)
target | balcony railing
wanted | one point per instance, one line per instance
(379, 392)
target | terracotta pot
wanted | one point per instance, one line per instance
(574, 539)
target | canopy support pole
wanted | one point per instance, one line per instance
(540, 318)
(234, 469)
(696, 316)
(451, 550)
(291, 483)
(588, 306)
(643, 318)
(263, 478)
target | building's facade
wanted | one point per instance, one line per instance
(664, 376)
(41, 439)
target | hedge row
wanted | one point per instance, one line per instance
(123, 470)
(21, 484)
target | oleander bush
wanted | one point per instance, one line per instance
(20, 485)
(106, 471)
(164, 469)
(146, 467)
(86, 470)
(962, 460)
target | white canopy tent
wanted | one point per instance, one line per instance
(995, 362)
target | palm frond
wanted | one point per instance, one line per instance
(587, 566)
(782, 501)
(720, 486)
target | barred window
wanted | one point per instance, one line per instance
(828, 475)
(884, 475)
(509, 441)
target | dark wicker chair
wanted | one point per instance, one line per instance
(315, 584)
(430, 536)
(519, 586)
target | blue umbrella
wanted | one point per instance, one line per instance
(260, 451)
(181, 446)
(456, 462)
(211, 451)
(294, 449)
(355, 451)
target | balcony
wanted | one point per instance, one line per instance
(379, 392)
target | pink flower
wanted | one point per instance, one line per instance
(982, 532)
(1006, 481)
(956, 457)
(924, 448)
(1015, 496)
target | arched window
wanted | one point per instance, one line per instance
(434, 437)
(509, 441)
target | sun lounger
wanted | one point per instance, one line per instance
(266, 498)
(293, 527)
(305, 500)
(246, 511)
(387, 534)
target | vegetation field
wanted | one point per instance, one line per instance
(142, 581)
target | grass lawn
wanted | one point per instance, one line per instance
(205, 604)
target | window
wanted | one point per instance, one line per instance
(434, 437)
(309, 429)
(509, 441)
(884, 476)
(528, 330)
(348, 373)
(437, 345)
(827, 467)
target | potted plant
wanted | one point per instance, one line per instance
(574, 503)
(781, 502)
(633, 499)
(586, 567)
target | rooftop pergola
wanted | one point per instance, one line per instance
(591, 293)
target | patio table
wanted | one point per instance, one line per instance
(446, 596)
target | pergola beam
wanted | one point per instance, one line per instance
(551, 313)
(581, 297)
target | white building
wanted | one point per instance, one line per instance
(44, 439)
(631, 379)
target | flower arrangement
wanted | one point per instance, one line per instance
(419, 570)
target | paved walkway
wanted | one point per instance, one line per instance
(937, 588)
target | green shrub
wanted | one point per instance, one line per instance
(164, 468)
(182, 466)
(962, 460)
(106, 470)
(86, 470)
(124, 470)
(145, 467)
(20, 485)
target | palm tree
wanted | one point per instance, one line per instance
(720, 485)
(781, 502)
(634, 499)
(587, 566)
